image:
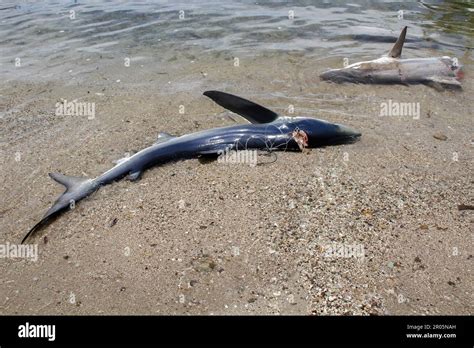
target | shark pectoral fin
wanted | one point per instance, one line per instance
(396, 50)
(252, 112)
(210, 153)
(134, 175)
(213, 152)
(436, 85)
(208, 156)
(441, 83)
(162, 137)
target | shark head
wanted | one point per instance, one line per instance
(453, 67)
(311, 132)
(320, 133)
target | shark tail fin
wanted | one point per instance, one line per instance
(396, 50)
(76, 189)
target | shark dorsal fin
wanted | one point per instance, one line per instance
(254, 113)
(396, 50)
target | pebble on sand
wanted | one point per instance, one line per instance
(440, 136)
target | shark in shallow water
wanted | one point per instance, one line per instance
(375, 34)
(266, 131)
(438, 72)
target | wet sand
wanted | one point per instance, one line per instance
(195, 238)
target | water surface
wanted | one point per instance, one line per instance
(51, 39)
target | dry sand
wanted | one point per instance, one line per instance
(195, 238)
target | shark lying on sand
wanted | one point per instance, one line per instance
(438, 72)
(266, 131)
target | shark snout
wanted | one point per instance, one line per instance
(348, 132)
(326, 75)
(332, 75)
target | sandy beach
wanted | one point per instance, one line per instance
(210, 238)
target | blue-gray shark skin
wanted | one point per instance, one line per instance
(437, 72)
(267, 131)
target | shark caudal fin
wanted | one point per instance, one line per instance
(396, 50)
(76, 189)
(251, 111)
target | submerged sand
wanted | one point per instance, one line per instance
(209, 238)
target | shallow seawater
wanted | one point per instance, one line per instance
(61, 39)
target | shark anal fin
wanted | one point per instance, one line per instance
(134, 175)
(396, 50)
(251, 111)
